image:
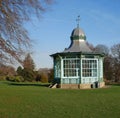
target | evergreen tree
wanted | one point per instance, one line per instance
(28, 62)
(19, 70)
(28, 75)
(28, 72)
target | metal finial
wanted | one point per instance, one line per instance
(78, 21)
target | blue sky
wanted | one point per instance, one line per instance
(100, 20)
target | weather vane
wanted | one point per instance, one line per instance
(78, 21)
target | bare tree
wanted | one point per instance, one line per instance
(13, 36)
(7, 70)
(111, 61)
(102, 49)
(115, 50)
(108, 69)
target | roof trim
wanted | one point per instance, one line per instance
(77, 53)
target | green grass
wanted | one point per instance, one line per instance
(38, 101)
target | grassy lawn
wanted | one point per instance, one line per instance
(38, 101)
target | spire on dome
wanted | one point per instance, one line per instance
(78, 21)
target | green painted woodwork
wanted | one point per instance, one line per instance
(75, 37)
(61, 78)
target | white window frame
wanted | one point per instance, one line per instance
(89, 70)
(74, 62)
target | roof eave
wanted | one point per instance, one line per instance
(77, 53)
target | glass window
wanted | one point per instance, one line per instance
(89, 68)
(71, 67)
(57, 68)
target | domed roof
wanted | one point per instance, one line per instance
(78, 33)
(78, 42)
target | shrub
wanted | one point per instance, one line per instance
(2, 78)
(10, 78)
(38, 77)
(44, 78)
(19, 79)
(15, 78)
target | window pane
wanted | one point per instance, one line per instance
(57, 68)
(89, 68)
(71, 67)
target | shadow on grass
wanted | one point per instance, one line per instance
(113, 84)
(28, 84)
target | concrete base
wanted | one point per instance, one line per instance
(85, 86)
(69, 86)
(82, 86)
(102, 84)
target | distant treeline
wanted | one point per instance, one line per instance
(27, 71)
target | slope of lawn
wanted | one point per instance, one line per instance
(38, 101)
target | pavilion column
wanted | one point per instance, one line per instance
(80, 81)
(101, 69)
(61, 69)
